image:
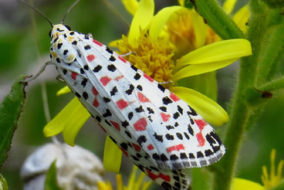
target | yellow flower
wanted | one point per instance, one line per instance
(152, 50)
(275, 176)
(157, 41)
(133, 182)
(243, 184)
(269, 180)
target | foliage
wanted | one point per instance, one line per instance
(10, 111)
(51, 180)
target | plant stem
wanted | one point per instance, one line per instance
(241, 109)
(239, 116)
(239, 112)
(273, 85)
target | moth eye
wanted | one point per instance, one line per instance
(68, 27)
(49, 33)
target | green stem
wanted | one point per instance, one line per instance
(273, 85)
(239, 116)
(271, 52)
(240, 110)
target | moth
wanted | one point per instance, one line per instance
(157, 130)
(154, 128)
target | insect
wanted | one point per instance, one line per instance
(157, 130)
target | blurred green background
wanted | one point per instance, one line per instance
(24, 49)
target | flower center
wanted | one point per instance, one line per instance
(181, 32)
(152, 57)
(187, 30)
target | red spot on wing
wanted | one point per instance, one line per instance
(124, 151)
(148, 77)
(174, 97)
(105, 80)
(119, 77)
(122, 59)
(200, 139)
(175, 147)
(140, 125)
(154, 176)
(121, 104)
(116, 125)
(165, 117)
(136, 147)
(97, 42)
(94, 90)
(91, 57)
(74, 75)
(142, 98)
(200, 123)
(95, 103)
(150, 147)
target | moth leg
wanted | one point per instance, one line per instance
(59, 78)
(126, 54)
(166, 82)
(32, 77)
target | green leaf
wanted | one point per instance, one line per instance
(3, 183)
(51, 180)
(10, 110)
(217, 19)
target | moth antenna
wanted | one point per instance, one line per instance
(37, 11)
(69, 10)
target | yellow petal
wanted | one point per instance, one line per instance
(62, 91)
(146, 185)
(229, 6)
(115, 43)
(160, 19)
(104, 186)
(243, 184)
(241, 18)
(207, 108)
(181, 2)
(119, 182)
(131, 181)
(193, 70)
(130, 5)
(58, 123)
(75, 121)
(139, 181)
(200, 28)
(215, 52)
(141, 19)
(112, 156)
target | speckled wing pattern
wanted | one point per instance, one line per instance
(158, 131)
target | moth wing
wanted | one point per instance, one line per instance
(181, 137)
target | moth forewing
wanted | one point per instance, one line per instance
(157, 130)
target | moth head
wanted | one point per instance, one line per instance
(62, 51)
(59, 29)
